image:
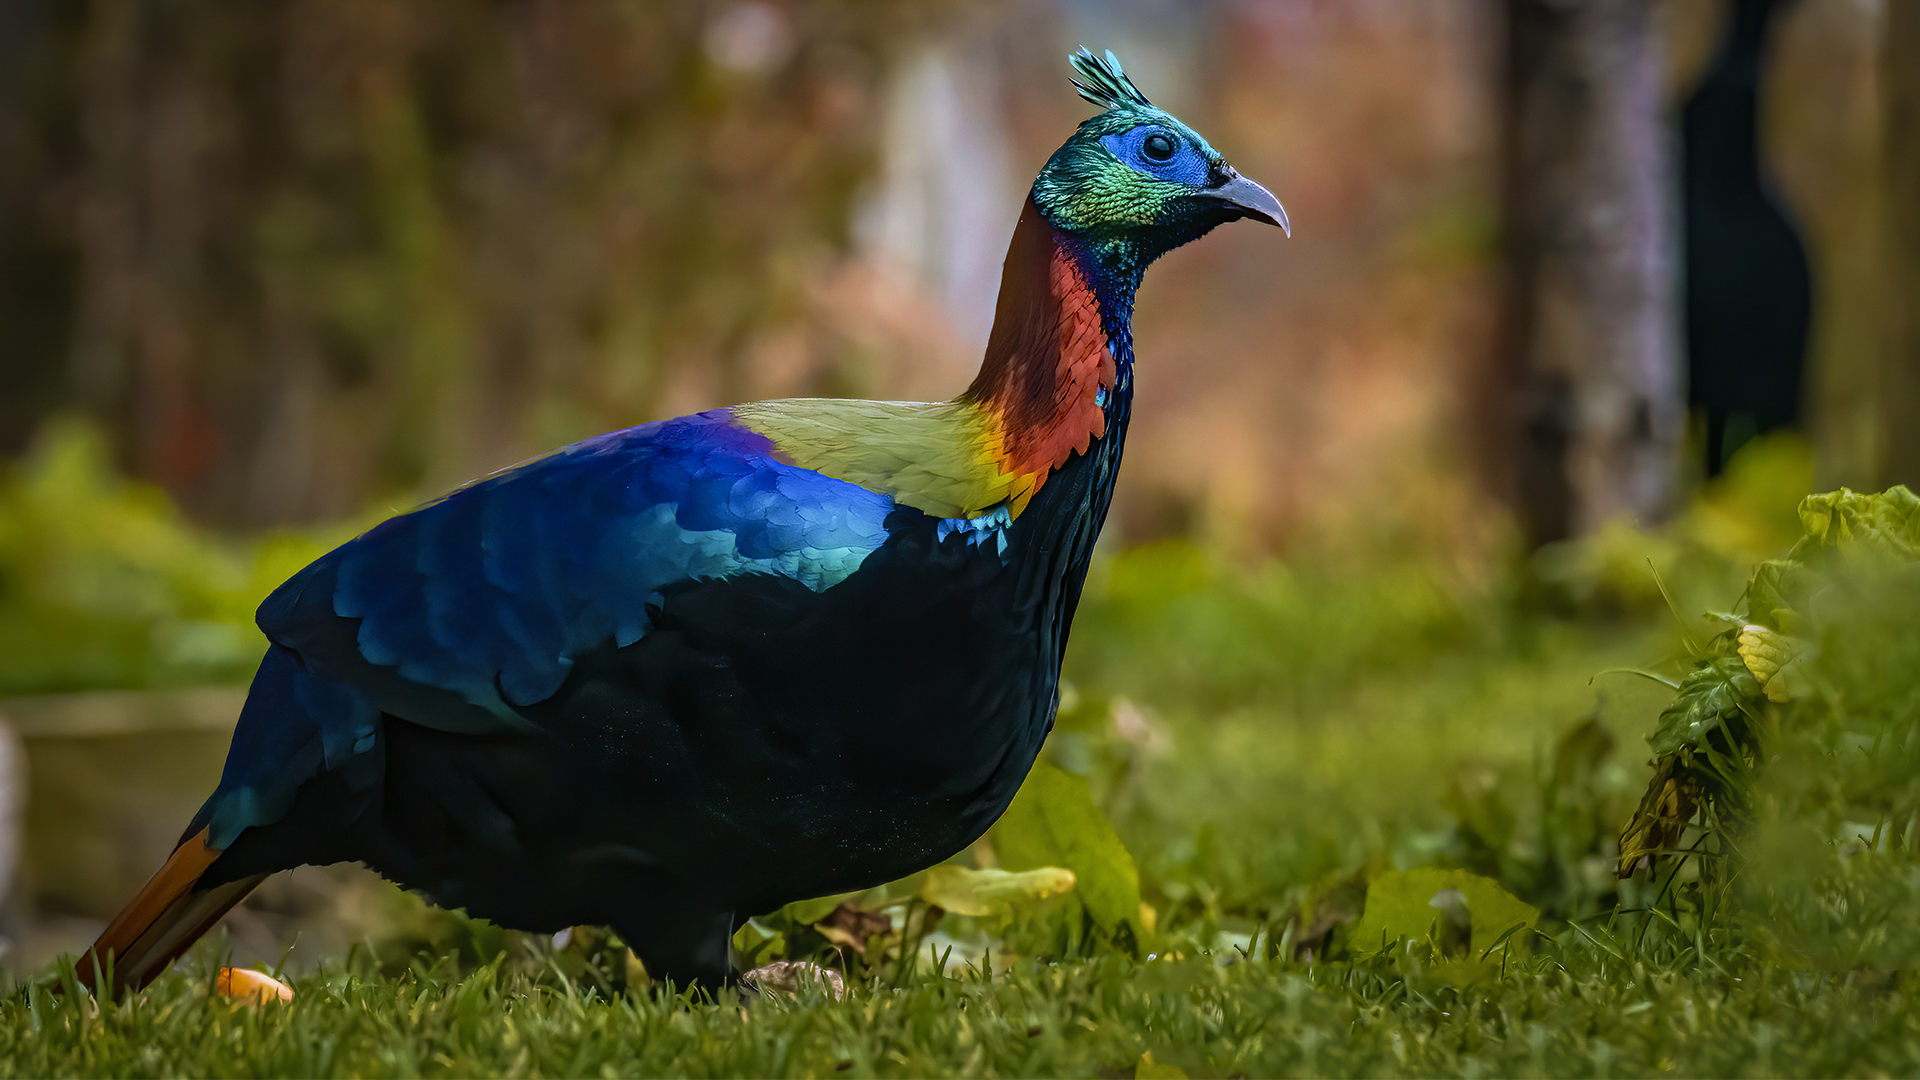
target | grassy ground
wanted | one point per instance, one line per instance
(1577, 1013)
(1266, 740)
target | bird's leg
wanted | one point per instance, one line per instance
(685, 948)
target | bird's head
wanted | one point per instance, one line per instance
(1134, 182)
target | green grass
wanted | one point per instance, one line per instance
(1573, 1013)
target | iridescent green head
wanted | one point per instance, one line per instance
(1134, 182)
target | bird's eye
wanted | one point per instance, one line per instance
(1158, 147)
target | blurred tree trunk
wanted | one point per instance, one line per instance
(1900, 301)
(1589, 390)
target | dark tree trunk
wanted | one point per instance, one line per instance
(1749, 293)
(1900, 302)
(1588, 391)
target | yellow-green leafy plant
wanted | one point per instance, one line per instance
(1787, 775)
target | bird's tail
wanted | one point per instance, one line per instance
(164, 919)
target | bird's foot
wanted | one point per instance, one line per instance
(787, 976)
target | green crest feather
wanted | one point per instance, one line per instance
(1107, 85)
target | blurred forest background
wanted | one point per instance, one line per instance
(305, 258)
(272, 271)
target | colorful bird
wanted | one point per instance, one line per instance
(678, 675)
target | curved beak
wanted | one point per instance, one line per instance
(1251, 200)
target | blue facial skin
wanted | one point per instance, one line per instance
(1186, 166)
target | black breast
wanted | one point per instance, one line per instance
(763, 743)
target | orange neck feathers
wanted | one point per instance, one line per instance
(1047, 359)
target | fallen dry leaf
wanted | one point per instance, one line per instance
(253, 987)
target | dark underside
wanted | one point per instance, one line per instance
(762, 744)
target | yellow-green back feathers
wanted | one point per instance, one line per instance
(938, 457)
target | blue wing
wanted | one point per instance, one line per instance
(452, 615)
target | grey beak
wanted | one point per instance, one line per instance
(1252, 201)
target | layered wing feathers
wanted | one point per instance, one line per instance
(460, 613)
(489, 593)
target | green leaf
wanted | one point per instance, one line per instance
(1412, 904)
(1773, 659)
(1887, 523)
(1053, 822)
(1714, 690)
(758, 944)
(991, 892)
(1777, 594)
(806, 912)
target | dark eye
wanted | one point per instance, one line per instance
(1158, 147)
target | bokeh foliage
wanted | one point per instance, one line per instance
(1785, 801)
(105, 585)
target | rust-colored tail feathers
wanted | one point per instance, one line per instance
(164, 919)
